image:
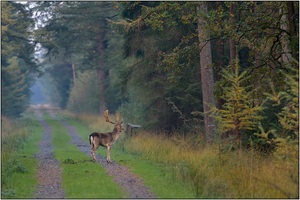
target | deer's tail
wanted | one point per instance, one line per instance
(90, 139)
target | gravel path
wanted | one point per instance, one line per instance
(132, 185)
(49, 172)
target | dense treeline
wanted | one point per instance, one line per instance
(17, 58)
(213, 67)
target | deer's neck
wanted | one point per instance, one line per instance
(115, 135)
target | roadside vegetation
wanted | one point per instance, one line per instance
(248, 159)
(204, 171)
(19, 143)
(154, 175)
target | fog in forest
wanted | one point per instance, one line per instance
(38, 94)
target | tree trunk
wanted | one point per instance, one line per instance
(292, 24)
(101, 74)
(102, 102)
(219, 65)
(206, 69)
(232, 46)
(219, 60)
(74, 75)
(285, 39)
(291, 17)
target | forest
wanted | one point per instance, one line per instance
(224, 74)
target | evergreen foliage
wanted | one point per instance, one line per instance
(283, 136)
(15, 88)
(289, 116)
(75, 36)
(156, 71)
(17, 61)
(145, 55)
(288, 101)
(239, 112)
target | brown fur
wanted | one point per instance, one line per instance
(105, 140)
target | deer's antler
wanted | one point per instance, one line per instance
(106, 117)
(117, 117)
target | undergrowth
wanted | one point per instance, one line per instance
(209, 172)
(212, 174)
(18, 166)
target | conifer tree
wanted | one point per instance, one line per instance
(238, 113)
(289, 115)
(15, 88)
(76, 32)
(286, 140)
(17, 61)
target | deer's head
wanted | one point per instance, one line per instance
(118, 124)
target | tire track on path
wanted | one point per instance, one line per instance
(49, 172)
(131, 183)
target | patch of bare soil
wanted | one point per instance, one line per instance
(131, 183)
(49, 172)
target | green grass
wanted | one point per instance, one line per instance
(19, 167)
(211, 174)
(172, 167)
(81, 177)
(156, 176)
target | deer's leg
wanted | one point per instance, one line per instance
(108, 155)
(93, 152)
(92, 147)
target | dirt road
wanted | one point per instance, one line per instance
(49, 172)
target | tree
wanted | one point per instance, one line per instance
(232, 42)
(17, 61)
(168, 47)
(289, 115)
(82, 97)
(285, 140)
(150, 58)
(286, 24)
(14, 88)
(60, 77)
(239, 113)
(77, 36)
(207, 81)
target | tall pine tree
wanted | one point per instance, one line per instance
(17, 58)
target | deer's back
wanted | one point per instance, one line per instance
(102, 138)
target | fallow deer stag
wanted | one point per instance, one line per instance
(106, 139)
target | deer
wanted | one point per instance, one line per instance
(106, 139)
